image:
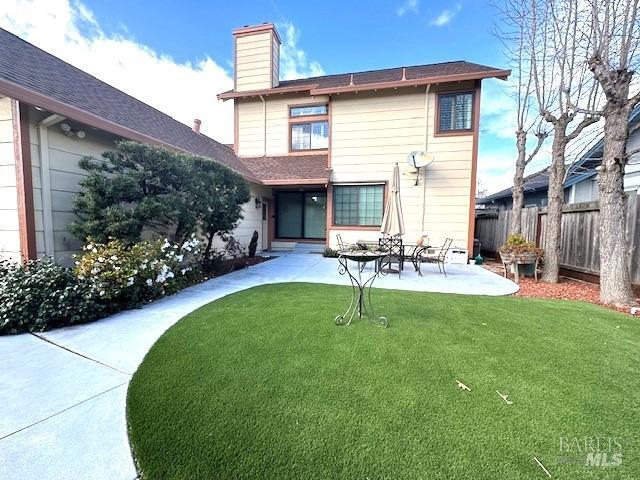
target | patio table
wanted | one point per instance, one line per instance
(360, 287)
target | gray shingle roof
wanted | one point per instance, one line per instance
(27, 66)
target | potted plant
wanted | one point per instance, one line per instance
(517, 250)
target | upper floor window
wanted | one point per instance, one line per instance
(309, 127)
(455, 112)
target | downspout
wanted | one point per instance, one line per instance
(264, 126)
(45, 180)
(426, 145)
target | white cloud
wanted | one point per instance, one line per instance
(293, 60)
(71, 32)
(408, 6)
(446, 16)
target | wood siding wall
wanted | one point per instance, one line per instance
(253, 61)
(9, 227)
(372, 132)
(252, 128)
(580, 239)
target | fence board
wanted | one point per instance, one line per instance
(580, 237)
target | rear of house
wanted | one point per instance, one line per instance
(324, 147)
(317, 152)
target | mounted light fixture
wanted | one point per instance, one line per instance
(70, 132)
(258, 201)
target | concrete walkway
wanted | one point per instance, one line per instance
(63, 392)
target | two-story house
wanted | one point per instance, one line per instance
(317, 152)
(324, 147)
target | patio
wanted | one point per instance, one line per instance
(64, 391)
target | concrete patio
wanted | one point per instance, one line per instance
(63, 392)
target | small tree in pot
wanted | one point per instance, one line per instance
(517, 250)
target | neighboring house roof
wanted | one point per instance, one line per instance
(298, 169)
(379, 79)
(582, 169)
(538, 181)
(34, 76)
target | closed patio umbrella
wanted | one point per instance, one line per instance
(393, 221)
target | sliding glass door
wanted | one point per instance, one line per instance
(301, 215)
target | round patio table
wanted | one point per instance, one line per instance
(361, 304)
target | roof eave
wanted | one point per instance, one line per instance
(296, 181)
(23, 94)
(314, 89)
(265, 92)
(500, 74)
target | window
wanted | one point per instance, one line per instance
(308, 110)
(359, 205)
(455, 112)
(309, 127)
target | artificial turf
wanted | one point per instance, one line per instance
(262, 384)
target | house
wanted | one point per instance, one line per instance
(330, 144)
(581, 184)
(316, 152)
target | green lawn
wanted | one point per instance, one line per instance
(262, 384)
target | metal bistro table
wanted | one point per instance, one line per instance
(360, 300)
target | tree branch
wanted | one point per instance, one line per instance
(586, 121)
(541, 136)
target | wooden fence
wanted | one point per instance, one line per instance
(580, 239)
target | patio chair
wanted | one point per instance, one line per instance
(436, 255)
(341, 244)
(393, 245)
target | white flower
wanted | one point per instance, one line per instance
(116, 267)
(129, 281)
(149, 282)
(165, 245)
(101, 293)
(95, 271)
(170, 275)
(179, 257)
(184, 270)
(100, 259)
(113, 257)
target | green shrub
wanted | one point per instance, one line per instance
(517, 244)
(41, 295)
(253, 244)
(141, 187)
(125, 276)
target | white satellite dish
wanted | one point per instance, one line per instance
(418, 160)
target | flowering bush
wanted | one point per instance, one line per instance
(125, 276)
(41, 294)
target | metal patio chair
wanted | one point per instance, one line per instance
(436, 255)
(393, 245)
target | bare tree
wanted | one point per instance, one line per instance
(561, 79)
(615, 35)
(513, 31)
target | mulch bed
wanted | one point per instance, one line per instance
(567, 289)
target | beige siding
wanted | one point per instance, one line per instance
(253, 61)
(371, 132)
(252, 219)
(252, 125)
(9, 230)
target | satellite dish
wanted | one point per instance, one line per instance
(419, 159)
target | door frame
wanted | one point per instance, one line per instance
(302, 193)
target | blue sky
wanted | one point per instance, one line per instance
(178, 55)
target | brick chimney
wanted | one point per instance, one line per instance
(256, 57)
(196, 125)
